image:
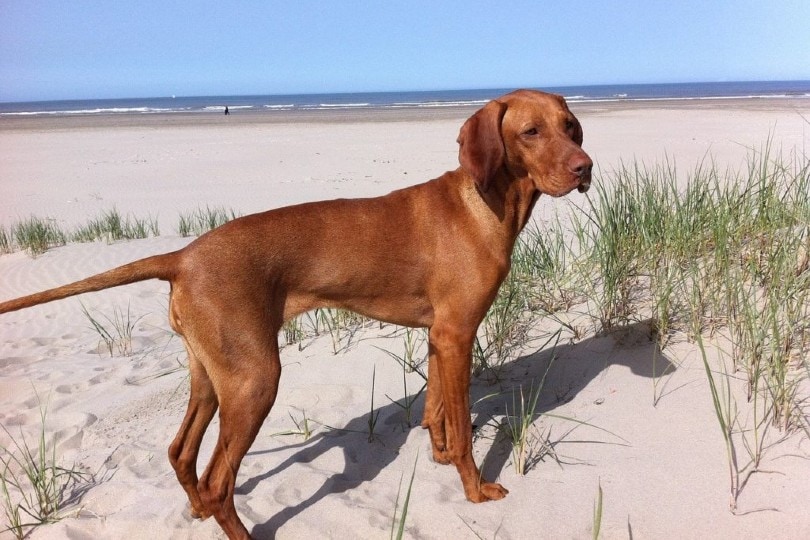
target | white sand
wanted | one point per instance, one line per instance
(661, 464)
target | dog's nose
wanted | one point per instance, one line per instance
(581, 166)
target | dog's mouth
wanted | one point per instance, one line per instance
(584, 186)
(558, 187)
(581, 166)
(581, 182)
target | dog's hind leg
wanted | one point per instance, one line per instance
(183, 451)
(247, 387)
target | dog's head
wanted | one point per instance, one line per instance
(526, 134)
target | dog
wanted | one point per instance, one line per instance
(432, 255)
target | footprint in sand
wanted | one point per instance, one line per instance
(306, 483)
(287, 495)
(100, 378)
(53, 346)
(72, 388)
(119, 458)
(15, 360)
(71, 438)
(31, 403)
(42, 341)
(19, 419)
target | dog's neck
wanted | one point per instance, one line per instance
(504, 208)
(512, 201)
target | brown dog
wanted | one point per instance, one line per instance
(432, 255)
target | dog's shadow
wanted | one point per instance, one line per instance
(564, 371)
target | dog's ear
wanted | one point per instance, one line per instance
(576, 136)
(577, 132)
(481, 152)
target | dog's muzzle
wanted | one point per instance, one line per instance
(581, 166)
(584, 185)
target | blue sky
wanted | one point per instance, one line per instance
(59, 49)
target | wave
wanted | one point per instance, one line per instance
(220, 108)
(107, 110)
(405, 100)
(686, 98)
(428, 104)
(337, 106)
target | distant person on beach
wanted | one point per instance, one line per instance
(226, 110)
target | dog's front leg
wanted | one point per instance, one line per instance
(433, 418)
(451, 358)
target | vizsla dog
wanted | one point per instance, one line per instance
(432, 255)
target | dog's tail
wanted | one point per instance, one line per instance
(158, 267)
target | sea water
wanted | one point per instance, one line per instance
(414, 99)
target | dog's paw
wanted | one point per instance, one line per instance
(493, 491)
(488, 491)
(441, 457)
(197, 513)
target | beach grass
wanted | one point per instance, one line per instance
(398, 523)
(6, 241)
(408, 400)
(597, 513)
(722, 254)
(116, 332)
(720, 259)
(373, 415)
(111, 226)
(726, 414)
(303, 427)
(36, 235)
(34, 487)
(202, 220)
(518, 426)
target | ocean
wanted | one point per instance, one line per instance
(393, 100)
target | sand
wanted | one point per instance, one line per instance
(652, 443)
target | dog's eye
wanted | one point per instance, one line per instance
(531, 132)
(569, 125)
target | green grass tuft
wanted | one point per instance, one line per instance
(35, 489)
(203, 220)
(36, 235)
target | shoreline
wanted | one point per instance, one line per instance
(49, 122)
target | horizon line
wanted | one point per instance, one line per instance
(355, 92)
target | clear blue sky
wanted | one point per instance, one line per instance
(65, 49)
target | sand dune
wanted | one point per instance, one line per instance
(652, 445)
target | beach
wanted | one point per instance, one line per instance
(656, 455)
